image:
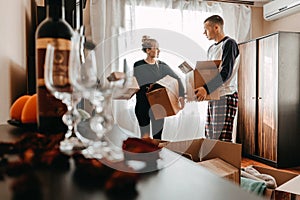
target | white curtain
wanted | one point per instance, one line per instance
(104, 20)
(181, 38)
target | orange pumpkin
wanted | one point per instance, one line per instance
(29, 112)
(17, 107)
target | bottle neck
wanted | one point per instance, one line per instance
(55, 9)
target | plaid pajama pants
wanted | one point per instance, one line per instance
(220, 117)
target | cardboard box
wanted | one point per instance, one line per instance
(282, 177)
(222, 169)
(206, 149)
(129, 88)
(115, 76)
(289, 190)
(163, 97)
(202, 74)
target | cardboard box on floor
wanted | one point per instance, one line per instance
(289, 190)
(222, 169)
(163, 97)
(202, 74)
(200, 150)
(284, 186)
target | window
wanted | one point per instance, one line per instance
(179, 33)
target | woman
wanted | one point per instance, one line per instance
(148, 71)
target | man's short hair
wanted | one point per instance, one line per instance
(215, 19)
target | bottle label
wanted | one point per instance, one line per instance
(48, 105)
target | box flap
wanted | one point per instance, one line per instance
(130, 87)
(208, 64)
(191, 147)
(279, 175)
(115, 76)
(292, 186)
(185, 67)
(227, 151)
(170, 83)
(205, 149)
(222, 169)
(218, 166)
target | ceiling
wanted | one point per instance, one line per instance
(245, 2)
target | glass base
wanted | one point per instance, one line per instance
(100, 150)
(71, 144)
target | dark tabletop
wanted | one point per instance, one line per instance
(177, 178)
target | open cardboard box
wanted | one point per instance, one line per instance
(203, 149)
(289, 190)
(130, 87)
(222, 169)
(124, 90)
(163, 97)
(288, 183)
(202, 74)
(115, 76)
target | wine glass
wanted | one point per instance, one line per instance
(84, 77)
(95, 87)
(57, 82)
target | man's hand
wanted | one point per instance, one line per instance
(181, 102)
(200, 93)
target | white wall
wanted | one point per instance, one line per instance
(13, 16)
(262, 27)
(289, 23)
(257, 22)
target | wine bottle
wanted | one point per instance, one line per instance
(55, 30)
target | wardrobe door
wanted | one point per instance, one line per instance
(247, 96)
(268, 97)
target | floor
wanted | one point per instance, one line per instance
(247, 162)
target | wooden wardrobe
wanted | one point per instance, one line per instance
(269, 99)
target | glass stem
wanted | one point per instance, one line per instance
(71, 118)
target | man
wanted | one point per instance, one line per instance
(221, 113)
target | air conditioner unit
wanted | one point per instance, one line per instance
(280, 8)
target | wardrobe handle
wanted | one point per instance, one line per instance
(259, 98)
